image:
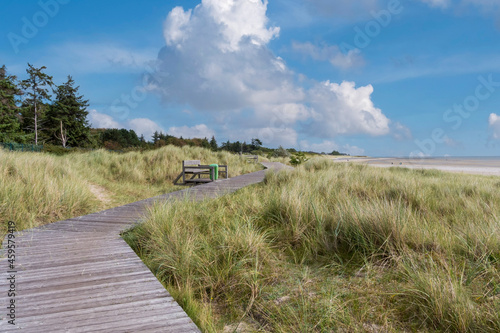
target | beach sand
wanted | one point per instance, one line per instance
(487, 167)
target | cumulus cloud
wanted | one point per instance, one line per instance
(234, 20)
(494, 122)
(142, 126)
(101, 120)
(216, 59)
(345, 109)
(197, 131)
(331, 53)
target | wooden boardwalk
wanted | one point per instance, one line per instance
(79, 275)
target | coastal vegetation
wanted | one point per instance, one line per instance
(39, 188)
(333, 247)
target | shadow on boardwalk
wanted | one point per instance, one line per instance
(79, 275)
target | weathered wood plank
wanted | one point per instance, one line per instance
(79, 275)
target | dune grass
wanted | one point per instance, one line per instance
(39, 188)
(334, 248)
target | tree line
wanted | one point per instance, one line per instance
(36, 111)
(29, 113)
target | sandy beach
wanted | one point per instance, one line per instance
(480, 166)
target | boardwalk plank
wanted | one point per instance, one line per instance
(79, 275)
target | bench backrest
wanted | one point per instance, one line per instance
(191, 162)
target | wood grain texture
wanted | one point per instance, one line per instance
(79, 275)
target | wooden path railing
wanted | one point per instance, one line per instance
(79, 275)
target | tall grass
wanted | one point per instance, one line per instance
(335, 247)
(40, 188)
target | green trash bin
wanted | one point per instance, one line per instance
(216, 172)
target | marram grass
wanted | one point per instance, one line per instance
(334, 248)
(39, 188)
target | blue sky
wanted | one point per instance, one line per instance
(381, 78)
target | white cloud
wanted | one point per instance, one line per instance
(100, 57)
(352, 150)
(333, 54)
(494, 122)
(142, 126)
(101, 120)
(283, 114)
(323, 147)
(174, 27)
(485, 5)
(400, 132)
(328, 146)
(216, 60)
(197, 131)
(465, 63)
(345, 109)
(271, 136)
(452, 143)
(233, 21)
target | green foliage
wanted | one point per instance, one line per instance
(280, 152)
(336, 153)
(67, 117)
(333, 247)
(36, 189)
(37, 92)
(56, 149)
(14, 146)
(298, 158)
(115, 139)
(213, 144)
(10, 126)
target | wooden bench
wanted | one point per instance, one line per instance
(252, 158)
(193, 172)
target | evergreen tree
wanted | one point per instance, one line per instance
(213, 143)
(69, 111)
(256, 144)
(10, 126)
(205, 143)
(156, 136)
(36, 87)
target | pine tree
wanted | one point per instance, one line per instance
(213, 143)
(10, 125)
(36, 87)
(70, 110)
(205, 143)
(256, 144)
(156, 136)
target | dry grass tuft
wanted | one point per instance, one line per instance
(335, 247)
